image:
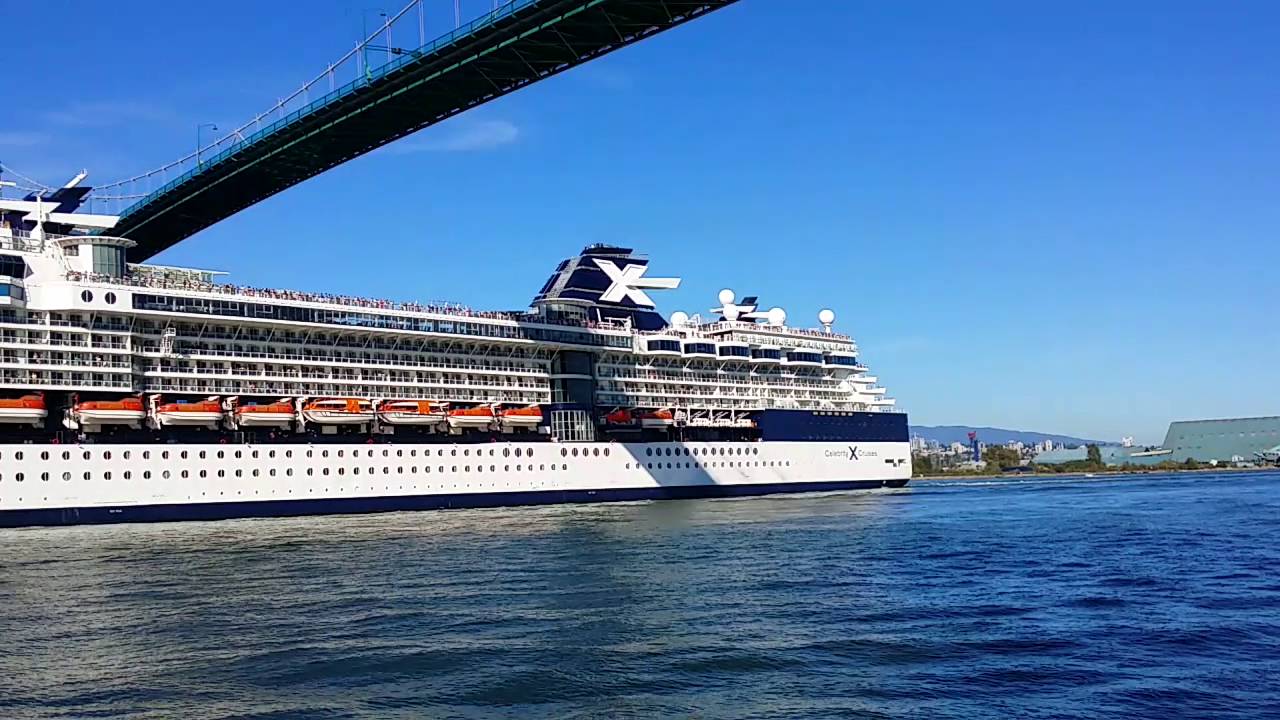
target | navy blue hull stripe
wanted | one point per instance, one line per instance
(339, 506)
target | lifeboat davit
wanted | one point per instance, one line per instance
(276, 414)
(656, 419)
(525, 417)
(476, 417)
(411, 412)
(28, 410)
(338, 411)
(93, 413)
(207, 413)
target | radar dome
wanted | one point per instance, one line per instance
(726, 296)
(679, 318)
(826, 316)
(777, 316)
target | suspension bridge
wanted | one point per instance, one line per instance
(375, 94)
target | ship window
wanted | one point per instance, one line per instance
(385, 453)
(324, 471)
(595, 451)
(43, 456)
(239, 472)
(86, 296)
(648, 451)
(165, 474)
(517, 452)
(110, 298)
(564, 452)
(311, 471)
(222, 473)
(271, 453)
(288, 453)
(254, 454)
(184, 454)
(67, 476)
(66, 455)
(202, 454)
(606, 452)
(324, 453)
(288, 471)
(146, 474)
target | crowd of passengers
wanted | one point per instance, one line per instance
(443, 308)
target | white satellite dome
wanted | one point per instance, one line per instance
(731, 312)
(826, 316)
(679, 318)
(777, 316)
(726, 296)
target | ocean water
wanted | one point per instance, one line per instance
(1138, 596)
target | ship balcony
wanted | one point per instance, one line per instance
(872, 390)
(883, 402)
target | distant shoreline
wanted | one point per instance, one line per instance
(1097, 473)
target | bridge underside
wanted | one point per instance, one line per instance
(534, 42)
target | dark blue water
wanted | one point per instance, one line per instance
(1064, 598)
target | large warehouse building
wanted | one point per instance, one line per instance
(1235, 439)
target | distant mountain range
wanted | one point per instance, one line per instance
(947, 434)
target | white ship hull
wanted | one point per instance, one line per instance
(66, 484)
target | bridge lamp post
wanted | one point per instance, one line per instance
(364, 36)
(200, 127)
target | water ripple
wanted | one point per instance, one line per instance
(1147, 596)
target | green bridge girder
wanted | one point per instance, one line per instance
(536, 40)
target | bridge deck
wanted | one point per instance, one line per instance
(478, 63)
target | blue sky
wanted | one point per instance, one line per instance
(1059, 217)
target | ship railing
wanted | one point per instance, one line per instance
(20, 240)
(194, 352)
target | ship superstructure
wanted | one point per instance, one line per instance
(95, 350)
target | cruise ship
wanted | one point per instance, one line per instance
(138, 392)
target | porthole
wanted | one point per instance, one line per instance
(110, 298)
(239, 472)
(342, 471)
(128, 474)
(222, 473)
(606, 452)
(86, 475)
(575, 452)
(87, 455)
(466, 468)
(399, 453)
(221, 454)
(184, 474)
(413, 453)
(272, 472)
(271, 453)
(165, 474)
(238, 455)
(385, 453)
(311, 471)
(66, 455)
(43, 456)
(324, 453)
(126, 454)
(466, 453)
(595, 452)
(106, 475)
(310, 453)
(355, 471)
(517, 452)
(413, 471)
(86, 296)
(18, 455)
(288, 453)
(288, 472)
(493, 468)
(183, 454)
(453, 469)
(164, 454)
(146, 474)
(202, 455)
(324, 471)
(564, 452)
(506, 452)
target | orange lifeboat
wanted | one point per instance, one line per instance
(338, 411)
(410, 412)
(656, 419)
(525, 417)
(94, 413)
(207, 413)
(276, 414)
(476, 417)
(619, 417)
(27, 410)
